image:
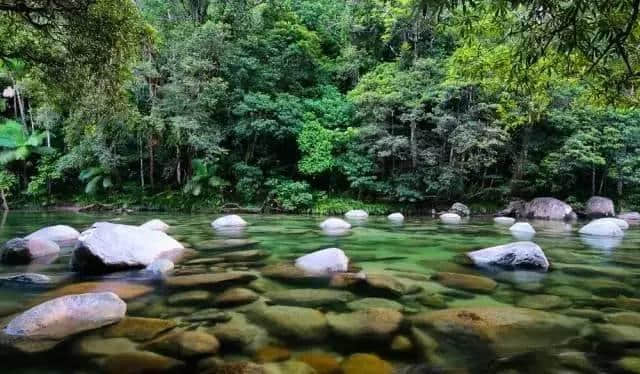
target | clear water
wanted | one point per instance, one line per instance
(596, 281)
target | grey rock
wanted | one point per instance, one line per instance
(518, 255)
(230, 221)
(629, 216)
(324, 262)
(160, 267)
(395, 217)
(108, 247)
(24, 251)
(309, 297)
(548, 208)
(460, 209)
(450, 218)
(61, 234)
(602, 228)
(155, 224)
(26, 278)
(598, 206)
(504, 220)
(356, 214)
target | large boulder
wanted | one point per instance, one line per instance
(515, 208)
(324, 262)
(232, 221)
(504, 220)
(367, 324)
(548, 208)
(155, 224)
(356, 214)
(395, 217)
(518, 255)
(108, 247)
(450, 218)
(335, 224)
(460, 209)
(61, 234)
(602, 227)
(68, 315)
(23, 251)
(292, 322)
(629, 216)
(620, 222)
(524, 227)
(598, 206)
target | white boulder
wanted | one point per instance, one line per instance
(518, 255)
(504, 220)
(524, 227)
(155, 224)
(160, 267)
(620, 222)
(68, 315)
(332, 223)
(450, 218)
(601, 227)
(61, 234)
(230, 221)
(110, 246)
(356, 214)
(324, 262)
(395, 217)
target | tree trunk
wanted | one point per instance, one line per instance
(21, 107)
(593, 180)
(414, 146)
(620, 187)
(5, 206)
(178, 167)
(151, 161)
(141, 162)
(604, 176)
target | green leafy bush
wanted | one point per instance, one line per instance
(341, 205)
(289, 196)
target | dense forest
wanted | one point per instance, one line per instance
(318, 105)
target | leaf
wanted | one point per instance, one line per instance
(22, 153)
(89, 173)
(107, 182)
(92, 186)
(7, 156)
(11, 134)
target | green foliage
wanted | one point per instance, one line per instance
(204, 179)
(96, 179)
(7, 181)
(46, 174)
(289, 196)
(17, 144)
(340, 205)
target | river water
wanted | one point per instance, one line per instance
(412, 305)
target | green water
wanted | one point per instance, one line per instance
(593, 286)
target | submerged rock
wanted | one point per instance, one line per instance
(57, 319)
(395, 217)
(460, 209)
(373, 302)
(138, 328)
(309, 297)
(195, 297)
(548, 208)
(356, 214)
(238, 332)
(466, 282)
(272, 353)
(109, 247)
(290, 322)
(235, 296)
(518, 255)
(321, 362)
(230, 221)
(374, 323)
(23, 251)
(324, 262)
(92, 345)
(620, 222)
(210, 280)
(364, 363)
(184, 344)
(61, 234)
(26, 279)
(598, 206)
(155, 224)
(124, 290)
(524, 227)
(602, 228)
(543, 302)
(140, 363)
(160, 267)
(618, 334)
(385, 284)
(450, 218)
(504, 220)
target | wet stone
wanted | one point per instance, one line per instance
(309, 297)
(208, 315)
(361, 363)
(373, 323)
(272, 353)
(289, 322)
(235, 296)
(624, 318)
(373, 302)
(466, 282)
(618, 334)
(99, 346)
(190, 298)
(543, 302)
(214, 280)
(184, 344)
(323, 363)
(140, 363)
(138, 328)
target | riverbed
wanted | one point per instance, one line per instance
(413, 304)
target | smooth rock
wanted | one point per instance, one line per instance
(230, 221)
(67, 315)
(138, 328)
(356, 214)
(215, 280)
(324, 262)
(385, 284)
(395, 217)
(26, 279)
(336, 225)
(23, 251)
(321, 362)
(290, 322)
(309, 297)
(239, 333)
(61, 234)
(504, 220)
(184, 344)
(629, 216)
(109, 247)
(141, 363)
(272, 353)
(363, 363)
(374, 302)
(630, 364)
(235, 296)
(518, 255)
(618, 334)
(601, 228)
(548, 208)
(125, 291)
(460, 209)
(598, 206)
(624, 318)
(624, 225)
(220, 244)
(98, 346)
(195, 297)
(401, 343)
(466, 282)
(524, 227)
(374, 323)
(450, 218)
(160, 267)
(155, 224)
(543, 302)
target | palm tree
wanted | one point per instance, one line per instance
(17, 145)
